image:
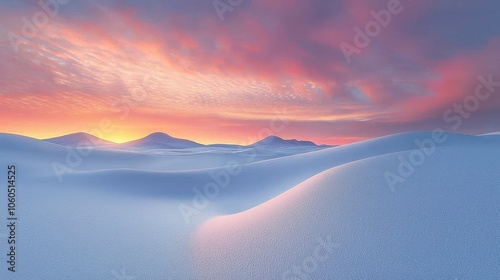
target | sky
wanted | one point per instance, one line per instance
(234, 71)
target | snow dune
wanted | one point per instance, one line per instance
(261, 180)
(443, 223)
(291, 212)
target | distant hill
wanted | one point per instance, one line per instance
(159, 140)
(75, 139)
(275, 141)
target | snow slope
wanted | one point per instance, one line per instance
(442, 223)
(118, 211)
(493, 133)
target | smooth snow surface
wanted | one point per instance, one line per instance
(290, 212)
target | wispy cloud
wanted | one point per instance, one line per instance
(265, 55)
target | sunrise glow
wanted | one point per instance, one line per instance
(179, 69)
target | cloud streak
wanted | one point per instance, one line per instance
(228, 77)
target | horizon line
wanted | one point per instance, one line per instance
(167, 134)
(238, 144)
